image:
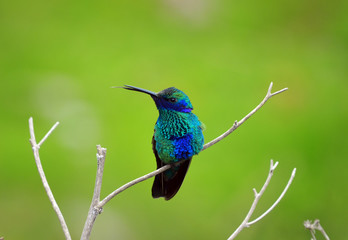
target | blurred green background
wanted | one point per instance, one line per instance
(58, 60)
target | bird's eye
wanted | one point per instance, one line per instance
(173, 100)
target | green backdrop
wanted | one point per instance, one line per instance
(58, 60)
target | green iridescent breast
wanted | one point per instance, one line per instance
(178, 135)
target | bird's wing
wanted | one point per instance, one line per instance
(158, 185)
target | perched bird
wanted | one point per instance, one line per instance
(177, 137)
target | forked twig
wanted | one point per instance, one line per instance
(315, 226)
(246, 222)
(48, 190)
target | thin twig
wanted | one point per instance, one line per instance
(48, 134)
(131, 183)
(278, 200)
(48, 190)
(97, 206)
(237, 124)
(246, 222)
(93, 210)
(315, 226)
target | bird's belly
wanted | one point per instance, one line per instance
(170, 151)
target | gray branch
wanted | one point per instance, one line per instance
(48, 190)
(97, 206)
(93, 210)
(315, 226)
(237, 124)
(131, 183)
(246, 222)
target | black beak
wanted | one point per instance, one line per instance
(128, 87)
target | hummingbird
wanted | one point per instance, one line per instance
(177, 137)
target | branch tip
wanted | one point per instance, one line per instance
(270, 88)
(293, 172)
(315, 226)
(48, 134)
(280, 91)
(100, 149)
(238, 123)
(255, 192)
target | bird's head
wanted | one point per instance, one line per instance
(169, 98)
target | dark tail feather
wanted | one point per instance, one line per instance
(157, 186)
(167, 184)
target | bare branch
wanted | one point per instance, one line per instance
(315, 226)
(93, 210)
(253, 206)
(48, 190)
(278, 200)
(131, 183)
(48, 133)
(311, 229)
(237, 124)
(97, 206)
(246, 222)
